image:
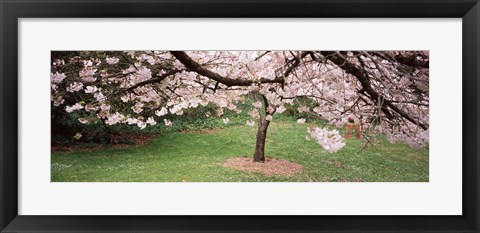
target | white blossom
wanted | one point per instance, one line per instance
(331, 141)
(151, 121)
(91, 89)
(132, 121)
(78, 136)
(125, 98)
(112, 60)
(301, 121)
(168, 123)
(74, 107)
(161, 112)
(141, 124)
(226, 120)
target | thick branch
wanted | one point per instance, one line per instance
(194, 66)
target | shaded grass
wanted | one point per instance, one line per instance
(197, 156)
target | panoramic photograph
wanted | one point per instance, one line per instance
(239, 116)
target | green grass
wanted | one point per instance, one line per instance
(196, 157)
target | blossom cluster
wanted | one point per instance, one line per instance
(330, 140)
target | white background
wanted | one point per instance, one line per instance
(440, 196)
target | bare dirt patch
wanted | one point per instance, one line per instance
(202, 131)
(135, 139)
(272, 166)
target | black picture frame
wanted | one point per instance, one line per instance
(11, 11)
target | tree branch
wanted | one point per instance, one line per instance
(188, 62)
(153, 80)
(367, 87)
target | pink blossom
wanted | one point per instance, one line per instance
(87, 63)
(105, 107)
(281, 109)
(257, 104)
(114, 118)
(57, 77)
(75, 87)
(303, 109)
(138, 107)
(268, 117)
(254, 113)
(87, 75)
(99, 96)
(222, 103)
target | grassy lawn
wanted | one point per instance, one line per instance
(198, 156)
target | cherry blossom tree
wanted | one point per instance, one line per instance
(384, 91)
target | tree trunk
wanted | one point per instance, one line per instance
(259, 155)
(263, 123)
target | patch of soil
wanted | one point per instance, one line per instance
(202, 131)
(272, 166)
(141, 139)
(135, 139)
